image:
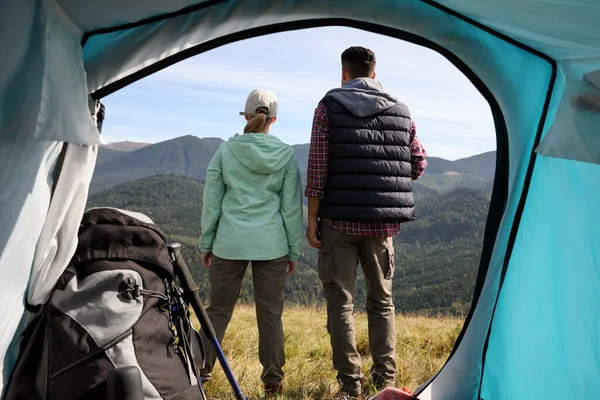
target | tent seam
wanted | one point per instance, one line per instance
(210, 3)
(146, 21)
(489, 29)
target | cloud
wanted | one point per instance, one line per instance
(203, 95)
(243, 79)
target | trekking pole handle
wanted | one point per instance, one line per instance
(191, 289)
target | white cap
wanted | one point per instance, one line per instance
(261, 98)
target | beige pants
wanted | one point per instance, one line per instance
(226, 277)
(338, 261)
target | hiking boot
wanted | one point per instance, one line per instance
(383, 384)
(382, 381)
(273, 389)
(350, 392)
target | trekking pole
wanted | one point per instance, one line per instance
(191, 296)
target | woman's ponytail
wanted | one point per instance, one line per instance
(256, 124)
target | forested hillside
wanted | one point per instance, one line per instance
(436, 256)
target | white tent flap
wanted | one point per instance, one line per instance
(58, 239)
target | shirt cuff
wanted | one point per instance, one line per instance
(310, 192)
(205, 250)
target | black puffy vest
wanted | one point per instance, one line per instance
(369, 173)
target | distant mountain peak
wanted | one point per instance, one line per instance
(185, 155)
(126, 145)
(185, 139)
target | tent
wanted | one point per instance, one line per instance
(534, 328)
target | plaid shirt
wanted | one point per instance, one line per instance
(317, 176)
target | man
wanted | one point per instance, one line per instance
(364, 152)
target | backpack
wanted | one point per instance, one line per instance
(116, 305)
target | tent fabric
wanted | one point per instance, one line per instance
(545, 335)
(44, 77)
(574, 135)
(44, 214)
(43, 102)
(110, 13)
(562, 29)
(536, 318)
(57, 242)
(26, 171)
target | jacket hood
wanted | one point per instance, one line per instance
(363, 97)
(260, 153)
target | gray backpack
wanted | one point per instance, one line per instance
(115, 306)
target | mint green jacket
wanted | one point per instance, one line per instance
(252, 202)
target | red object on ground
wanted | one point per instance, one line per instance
(394, 394)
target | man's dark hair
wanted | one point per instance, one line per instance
(359, 62)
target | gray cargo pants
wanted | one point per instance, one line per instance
(338, 260)
(226, 277)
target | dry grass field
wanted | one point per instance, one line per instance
(424, 344)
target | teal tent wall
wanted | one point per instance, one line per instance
(534, 324)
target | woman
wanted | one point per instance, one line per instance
(252, 212)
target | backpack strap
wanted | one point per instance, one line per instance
(41, 378)
(29, 377)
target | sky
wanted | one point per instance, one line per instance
(203, 95)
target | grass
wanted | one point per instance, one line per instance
(423, 345)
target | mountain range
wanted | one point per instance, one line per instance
(189, 156)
